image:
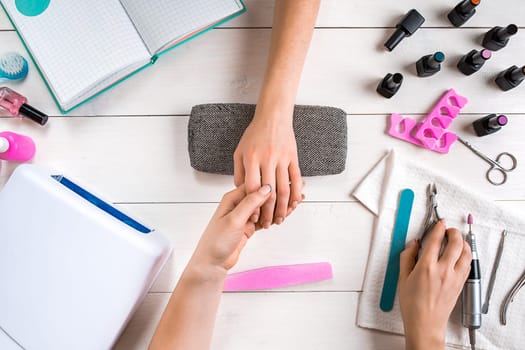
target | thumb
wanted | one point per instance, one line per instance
(244, 210)
(408, 259)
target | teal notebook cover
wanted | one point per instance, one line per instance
(126, 77)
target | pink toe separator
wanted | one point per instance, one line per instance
(277, 276)
(446, 140)
(432, 132)
(402, 128)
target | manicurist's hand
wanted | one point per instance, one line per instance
(230, 228)
(267, 153)
(430, 287)
(187, 321)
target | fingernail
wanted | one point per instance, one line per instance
(411, 243)
(279, 220)
(267, 224)
(255, 218)
(265, 189)
(295, 204)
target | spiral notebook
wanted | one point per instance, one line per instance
(85, 47)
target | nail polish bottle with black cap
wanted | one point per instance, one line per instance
(390, 85)
(473, 61)
(489, 124)
(430, 64)
(510, 78)
(408, 26)
(463, 12)
(498, 37)
(16, 105)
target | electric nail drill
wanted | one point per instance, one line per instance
(473, 61)
(408, 26)
(390, 84)
(471, 295)
(510, 78)
(490, 124)
(463, 12)
(430, 64)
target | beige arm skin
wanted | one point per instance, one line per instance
(267, 152)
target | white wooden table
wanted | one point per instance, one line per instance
(131, 144)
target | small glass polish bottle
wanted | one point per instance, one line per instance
(17, 106)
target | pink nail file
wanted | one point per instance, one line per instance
(272, 277)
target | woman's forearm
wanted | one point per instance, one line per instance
(291, 35)
(189, 317)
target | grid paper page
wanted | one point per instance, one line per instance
(77, 43)
(160, 22)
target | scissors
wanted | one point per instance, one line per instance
(496, 166)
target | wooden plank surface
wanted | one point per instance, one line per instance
(277, 321)
(130, 144)
(376, 13)
(145, 159)
(338, 233)
(342, 70)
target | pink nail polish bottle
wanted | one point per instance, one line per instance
(16, 147)
(16, 104)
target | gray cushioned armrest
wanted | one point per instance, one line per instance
(214, 131)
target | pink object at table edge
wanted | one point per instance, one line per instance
(272, 277)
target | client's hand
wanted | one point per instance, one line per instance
(430, 287)
(267, 154)
(230, 228)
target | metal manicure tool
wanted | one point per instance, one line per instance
(510, 298)
(471, 295)
(496, 166)
(432, 216)
(485, 308)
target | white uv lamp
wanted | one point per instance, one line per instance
(73, 268)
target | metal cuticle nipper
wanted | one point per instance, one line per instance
(433, 215)
(510, 298)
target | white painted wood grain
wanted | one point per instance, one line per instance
(273, 319)
(343, 69)
(377, 13)
(4, 22)
(276, 321)
(134, 150)
(145, 159)
(338, 233)
(380, 13)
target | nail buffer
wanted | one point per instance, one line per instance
(398, 244)
(277, 276)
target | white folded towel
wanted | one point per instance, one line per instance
(379, 192)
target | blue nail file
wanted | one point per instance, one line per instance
(398, 245)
